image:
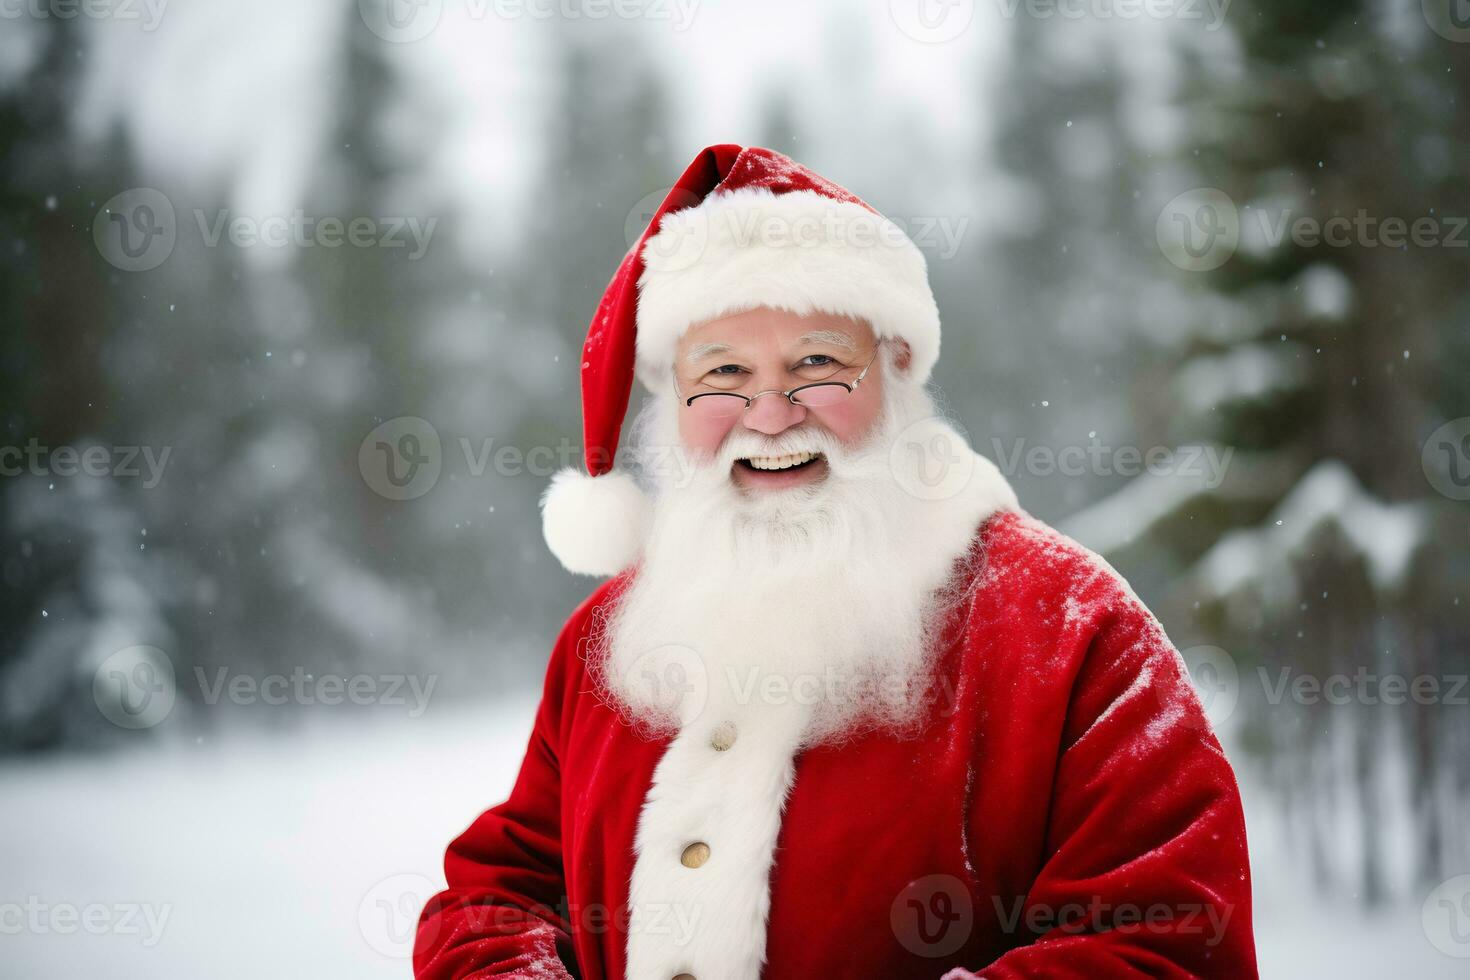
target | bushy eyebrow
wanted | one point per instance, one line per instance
(836, 338)
(699, 351)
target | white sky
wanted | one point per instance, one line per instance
(236, 97)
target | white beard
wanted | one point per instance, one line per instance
(815, 609)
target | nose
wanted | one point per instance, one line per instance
(772, 414)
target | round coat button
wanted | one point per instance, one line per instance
(723, 737)
(695, 855)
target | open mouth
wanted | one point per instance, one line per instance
(778, 464)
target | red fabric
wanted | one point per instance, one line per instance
(609, 351)
(1068, 791)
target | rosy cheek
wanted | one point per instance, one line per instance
(852, 422)
(701, 434)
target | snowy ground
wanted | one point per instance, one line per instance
(308, 853)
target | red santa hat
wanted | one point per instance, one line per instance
(744, 227)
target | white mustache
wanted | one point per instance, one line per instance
(742, 445)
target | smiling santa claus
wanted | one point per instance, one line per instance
(841, 707)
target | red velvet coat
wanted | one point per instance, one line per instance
(1070, 813)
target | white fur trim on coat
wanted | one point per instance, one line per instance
(799, 251)
(711, 921)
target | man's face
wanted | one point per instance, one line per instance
(766, 350)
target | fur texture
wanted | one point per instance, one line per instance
(593, 525)
(798, 251)
(791, 620)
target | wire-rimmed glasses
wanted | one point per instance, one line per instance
(815, 394)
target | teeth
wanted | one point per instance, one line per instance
(781, 462)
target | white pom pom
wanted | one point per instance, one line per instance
(594, 525)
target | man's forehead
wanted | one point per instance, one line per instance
(834, 338)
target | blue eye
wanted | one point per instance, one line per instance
(818, 360)
(727, 369)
